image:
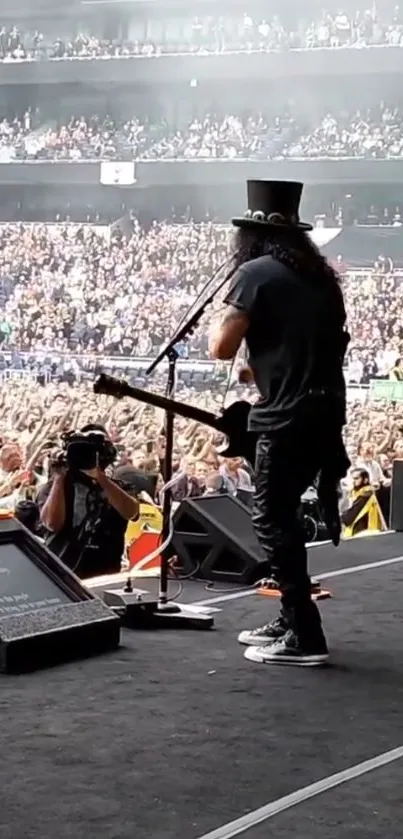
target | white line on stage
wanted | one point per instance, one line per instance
(234, 828)
(341, 572)
(119, 579)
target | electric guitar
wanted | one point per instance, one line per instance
(232, 423)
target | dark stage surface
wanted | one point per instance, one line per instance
(176, 735)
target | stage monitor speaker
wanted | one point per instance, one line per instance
(214, 540)
(396, 497)
(47, 616)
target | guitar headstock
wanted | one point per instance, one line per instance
(111, 386)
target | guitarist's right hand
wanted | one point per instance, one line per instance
(245, 375)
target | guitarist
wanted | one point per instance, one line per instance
(285, 302)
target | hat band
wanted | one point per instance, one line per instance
(271, 218)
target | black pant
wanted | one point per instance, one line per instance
(287, 463)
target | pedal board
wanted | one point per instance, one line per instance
(269, 588)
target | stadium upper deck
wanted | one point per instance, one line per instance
(101, 46)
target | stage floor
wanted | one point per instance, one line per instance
(176, 735)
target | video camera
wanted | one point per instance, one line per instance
(84, 450)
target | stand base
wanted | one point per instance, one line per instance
(137, 612)
(270, 589)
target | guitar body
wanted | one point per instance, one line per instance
(240, 441)
(233, 422)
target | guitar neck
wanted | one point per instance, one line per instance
(180, 408)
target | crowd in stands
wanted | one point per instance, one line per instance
(74, 290)
(367, 133)
(215, 34)
(375, 321)
(68, 289)
(79, 138)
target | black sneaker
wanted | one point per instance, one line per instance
(264, 634)
(287, 650)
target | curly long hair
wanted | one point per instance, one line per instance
(292, 247)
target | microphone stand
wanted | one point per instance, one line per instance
(169, 614)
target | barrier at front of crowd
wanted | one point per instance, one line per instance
(14, 361)
(388, 391)
(355, 393)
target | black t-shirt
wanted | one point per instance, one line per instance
(92, 540)
(294, 339)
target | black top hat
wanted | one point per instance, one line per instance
(273, 203)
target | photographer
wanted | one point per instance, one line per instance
(85, 512)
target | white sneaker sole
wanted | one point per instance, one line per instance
(263, 655)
